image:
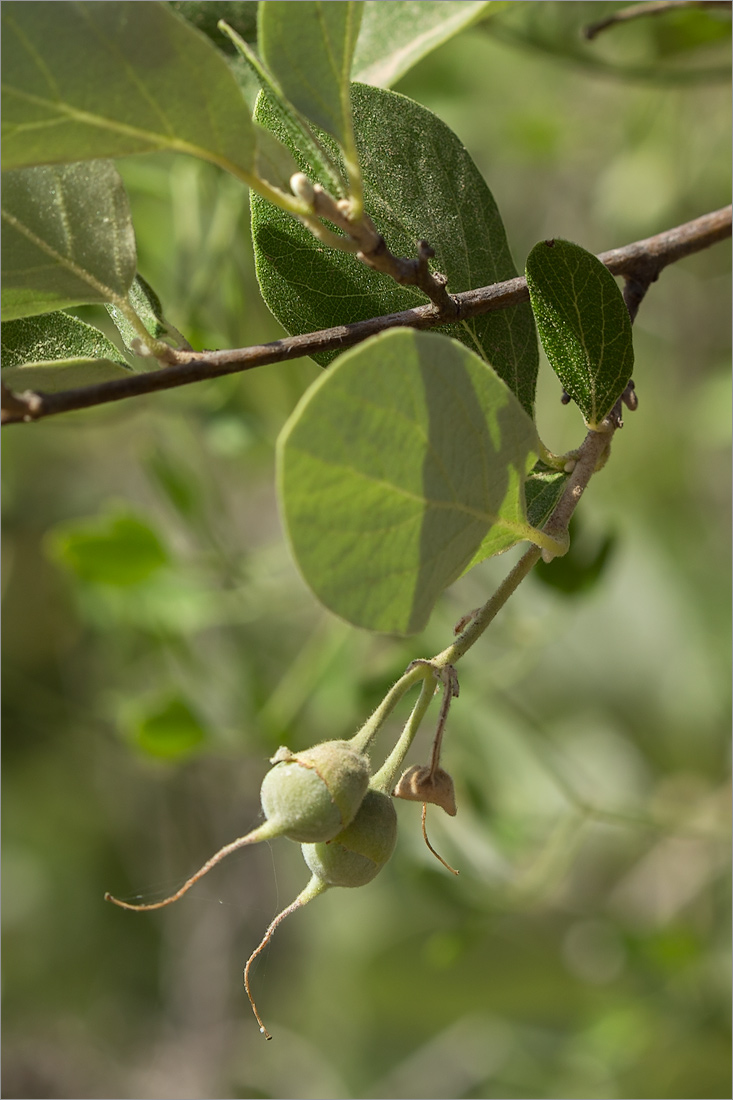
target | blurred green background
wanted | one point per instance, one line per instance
(159, 646)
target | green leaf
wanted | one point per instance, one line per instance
(57, 352)
(582, 567)
(241, 15)
(542, 490)
(146, 304)
(309, 47)
(117, 549)
(419, 182)
(168, 730)
(88, 80)
(396, 34)
(391, 471)
(300, 136)
(67, 238)
(583, 323)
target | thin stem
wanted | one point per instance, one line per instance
(363, 739)
(429, 845)
(385, 778)
(266, 831)
(450, 692)
(315, 887)
(486, 614)
(652, 7)
(635, 260)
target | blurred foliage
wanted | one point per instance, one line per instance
(583, 951)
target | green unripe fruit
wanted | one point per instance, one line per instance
(359, 853)
(313, 795)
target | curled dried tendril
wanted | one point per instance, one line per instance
(430, 847)
(315, 887)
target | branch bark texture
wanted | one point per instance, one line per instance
(640, 264)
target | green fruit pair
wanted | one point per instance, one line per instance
(320, 798)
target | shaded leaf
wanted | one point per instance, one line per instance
(309, 46)
(169, 730)
(88, 80)
(391, 471)
(581, 568)
(396, 34)
(542, 490)
(67, 238)
(677, 47)
(241, 15)
(419, 182)
(55, 352)
(583, 323)
(148, 308)
(118, 549)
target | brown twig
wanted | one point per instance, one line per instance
(640, 263)
(655, 7)
(373, 250)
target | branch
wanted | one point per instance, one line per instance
(639, 263)
(372, 248)
(655, 7)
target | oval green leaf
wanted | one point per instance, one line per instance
(57, 352)
(88, 80)
(308, 46)
(392, 470)
(583, 323)
(67, 238)
(419, 182)
(396, 34)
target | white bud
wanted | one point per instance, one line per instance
(302, 187)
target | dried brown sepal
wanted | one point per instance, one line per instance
(420, 783)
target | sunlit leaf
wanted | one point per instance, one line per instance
(67, 238)
(83, 80)
(55, 351)
(583, 323)
(392, 470)
(419, 183)
(309, 47)
(300, 135)
(396, 34)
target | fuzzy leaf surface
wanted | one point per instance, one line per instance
(583, 324)
(419, 183)
(309, 47)
(300, 135)
(55, 352)
(391, 471)
(88, 80)
(542, 491)
(396, 34)
(148, 308)
(67, 237)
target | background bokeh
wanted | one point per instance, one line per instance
(584, 950)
